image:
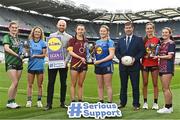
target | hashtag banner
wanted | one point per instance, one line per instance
(95, 110)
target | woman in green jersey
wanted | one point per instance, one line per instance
(13, 63)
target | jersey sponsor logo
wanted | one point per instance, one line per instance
(81, 50)
(99, 50)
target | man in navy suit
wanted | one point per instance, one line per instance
(130, 45)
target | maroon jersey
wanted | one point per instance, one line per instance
(79, 48)
(167, 65)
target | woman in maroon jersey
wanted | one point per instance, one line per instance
(77, 49)
(166, 68)
(150, 65)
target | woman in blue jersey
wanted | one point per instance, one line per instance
(36, 63)
(104, 52)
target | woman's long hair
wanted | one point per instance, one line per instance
(146, 37)
(31, 35)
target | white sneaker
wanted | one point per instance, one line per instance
(164, 110)
(18, 106)
(171, 108)
(155, 106)
(145, 106)
(29, 104)
(12, 105)
(39, 104)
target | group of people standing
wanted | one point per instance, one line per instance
(104, 51)
(149, 55)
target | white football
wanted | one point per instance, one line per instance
(127, 60)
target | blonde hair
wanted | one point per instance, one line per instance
(31, 35)
(152, 24)
(105, 26)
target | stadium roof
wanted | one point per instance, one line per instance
(67, 8)
(55, 8)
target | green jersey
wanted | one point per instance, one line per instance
(13, 45)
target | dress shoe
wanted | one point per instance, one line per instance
(121, 106)
(63, 105)
(48, 108)
(136, 108)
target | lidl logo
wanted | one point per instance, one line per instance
(54, 44)
(99, 50)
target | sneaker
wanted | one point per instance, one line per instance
(171, 108)
(145, 106)
(155, 106)
(18, 106)
(164, 110)
(29, 104)
(39, 104)
(12, 105)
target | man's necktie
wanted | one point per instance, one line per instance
(127, 42)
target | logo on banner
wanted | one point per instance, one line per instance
(54, 44)
(55, 53)
(95, 110)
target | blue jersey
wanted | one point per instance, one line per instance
(36, 48)
(102, 51)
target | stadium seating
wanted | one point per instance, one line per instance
(28, 20)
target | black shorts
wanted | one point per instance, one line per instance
(12, 66)
(79, 69)
(36, 71)
(149, 68)
(104, 70)
(164, 73)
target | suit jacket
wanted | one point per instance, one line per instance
(136, 49)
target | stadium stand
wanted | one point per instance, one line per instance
(27, 19)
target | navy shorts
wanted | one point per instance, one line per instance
(149, 68)
(104, 70)
(164, 73)
(12, 66)
(36, 71)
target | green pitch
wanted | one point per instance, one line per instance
(90, 95)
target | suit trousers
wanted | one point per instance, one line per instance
(52, 73)
(134, 77)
